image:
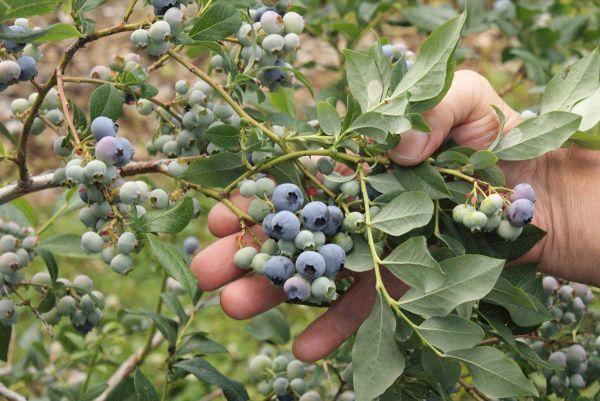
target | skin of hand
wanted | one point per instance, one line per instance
(564, 181)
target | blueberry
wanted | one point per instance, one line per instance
(549, 284)
(9, 72)
(297, 289)
(295, 369)
(549, 329)
(523, 191)
(507, 231)
(315, 216)
(273, 43)
(18, 106)
(310, 264)
(159, 31)
(248, 188)
(493, 223)
(271, 22)
(293, 22)
(580, 290)
(14, 45)
(28, 68)
(159, 199)
(269, 246)
(343, 240)
(475, 220)
(109, 149)
(140, 38)
(291, 42)
(66, 305)
(323, 289)
(568, 318)
(95, 170)
(520, 212)
(264, 387)
(355, 223)
(161, 6)
(145, 107)
(576, 381)
(127, 243)
(177, 169)
(42, 278)
(565, 293)
(217, 62)
(558, 359)
(347, 395)
(284, 225)
(335, 222)
(102, 127)
(305, 240)
(298, 385)
(121, 263)
(259, 209)
(107, 254)
(243, 257)
(334, 257)
(9, 262)
(8, 312)
(132, 192)
(128, 152)
(350, 188)
(174, 17)
(325, 165)
(280, 386)
(83, 281)
(310, 396)
(286, 248)
(181, 87)
(222, 111)
(278, 269)
(577, 306)
(91, 242)
(258, 262)
(264, 187)
(191, 245)
(94, 317)
(576, 355)
(287, 197)
(491, 205)
(8, 243)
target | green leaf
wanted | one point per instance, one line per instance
(167, 327)
(50, 262)
(443, 371)
(384, 183)
(493, 373)
(21, 9)
(199, 345)
(286, 172)
(468, 278)
(567, 88)
(172, 302)
(423, 177)
(427, 17)
(376, 359)
(144, 390)
(359, 259)
(52, 33)
(406, 212)
(170, 260)
(329, 119)
(216, 23)
(216, 171)
(202, 370)
(426, 79)
(538, 135)
(588, 110)
(363, 79)
(377, 126)
(27, 210)
(225, 136)
(412, 263)
(106, 100)
(451, 332)
(94, 391)
(270, 326)
(5, 334)
(483, 159)
(64, 245)
(524, 309)
(167, 221)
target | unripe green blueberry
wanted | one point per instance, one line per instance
(159, 31)
(460, 211)
(269, 247)
(280, 386)
(347, 395)
(94, 317)
(8, 312)
(491, 205)
(9, 72)
(248, 188)
(171, 148)
(95, 170)
(348, 374)
(130, 193)
(243, 257)
(295, 369)
(265, 387)
(75, 174)
(51, 100)
(475, 220)
(140, 38)
(258, 209)
(66, 306)
(293, 22)
(8, 243)
(273, 43)
(87, 304)
(99, 299)
(121, 263)
(91, 242)
(286, 248)
(354, 222)
(507, 231)
(305, 240)
(258, 367)
(258, 262)
(83, 281)
(343, 240)
(127, 243)
(350, 188)
(42, 278)
(19, 105)
(222, 111)
(323, 289)
(159, 199)
(177, 169)
(9, 262)
(216, 62)
(23, 257)
(493, 223)
(264, 187)
(51, 317)
(101, 209)
(37, 127)
(291, 42)
(325, 165)
(145, 107)
(157, 49)
(280, 364)
(310, 396)
(55, 116)
(271, 22)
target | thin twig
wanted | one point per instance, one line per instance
(10, 395)
(478, 395)
(512, 83)
(65, 105)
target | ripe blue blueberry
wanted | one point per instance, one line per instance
(297, 289)
(334, 257)
(284, 225)
(191, 245)
(15, 45)
(523, 191)
(310, 265)
(108, 149)
(287, 197)
(549, 284)
(315, 216)
(128, 152)
(520, 212)
(565, 293)
(558, 359)
(335, 222)
(161, 6)
(28, 68)
(278, 269)
(174, 17)
(576, 355)
(102, 127)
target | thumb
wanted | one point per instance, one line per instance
(465, 114)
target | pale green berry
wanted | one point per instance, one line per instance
(343, 240)
(177, 169)
(145, 107)
(258, 262)
(350, 188)
(475, 220)
(323, 289)
(248, 188)
(259, 366)
(265, 387)
(66, 305)
(243, 257)
(491, 205)
(280, 364)
(354, 222)
(121, 263)
(127, 243)
(159, 199)
(305, 240)
(459, 212)
(269, 247)
(296, 369)
(264, 187)
(83, 281)
(19, 105)
(280, 386)
(507, 231)
(258, 209)
(493, 223)
(298, 385)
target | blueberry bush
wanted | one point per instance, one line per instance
(327, 206)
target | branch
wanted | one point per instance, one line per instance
(10, 395)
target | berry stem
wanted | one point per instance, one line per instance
(65, 105)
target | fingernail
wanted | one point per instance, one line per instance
(410, 149)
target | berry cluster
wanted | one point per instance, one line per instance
(24, 66)
(491, 213)
(156, 39)
(307, 246)
(17, 246)
(280, 374)
(579, 362)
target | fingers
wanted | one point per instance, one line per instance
(222, 221)
(213, 265)
(250, 296)
(465, 113)
(342, 319)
